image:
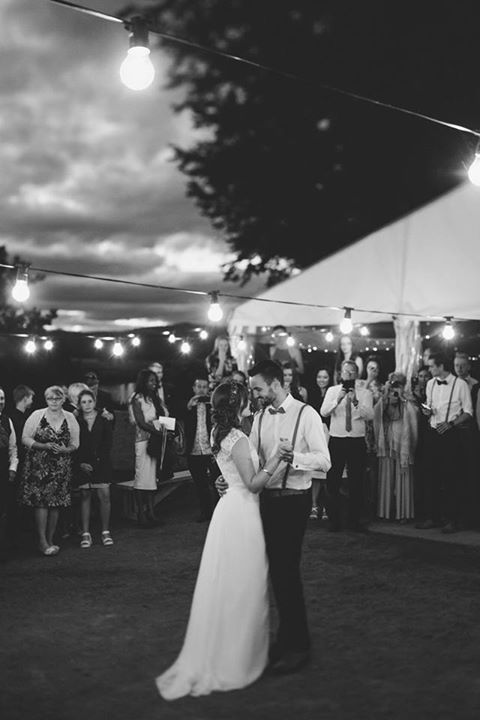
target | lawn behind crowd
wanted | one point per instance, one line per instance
(394, 622)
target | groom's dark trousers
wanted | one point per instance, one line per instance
(284, 518)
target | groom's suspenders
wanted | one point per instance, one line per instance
(294, 438)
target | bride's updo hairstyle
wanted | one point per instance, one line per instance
(228, 401)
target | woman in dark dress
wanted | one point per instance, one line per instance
(93, 466)
(317, 396)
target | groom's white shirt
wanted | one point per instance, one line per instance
(311, 449)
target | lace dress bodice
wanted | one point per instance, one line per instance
(225, 461)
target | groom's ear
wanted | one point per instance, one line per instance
(276, 385)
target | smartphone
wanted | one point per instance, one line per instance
(348, 384)
(426, 407)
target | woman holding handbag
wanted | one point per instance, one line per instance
(150, 441)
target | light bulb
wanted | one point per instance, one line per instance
(215, 312)
(185, 347)
(21, 291)
(118, 349)
(135, 341)
(474, 171)
(171, 338)
(203, 335)
(290, 341)
(448, 331)
(242, 345)
(30, 347)
(329, 337)
(364, 331)
(346, 326)
(98, 344)
(48, 344)
(137, 71)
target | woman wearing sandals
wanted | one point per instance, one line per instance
(50, 435)
(93, 466)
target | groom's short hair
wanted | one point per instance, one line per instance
(269, 370)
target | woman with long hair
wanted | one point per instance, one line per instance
(226, 643)
(220, 363)
(291, 382)
(346, 351)
(146, 408)
(93, 466)
(322, 383)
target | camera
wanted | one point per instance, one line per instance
(348, 384)
(203, 398)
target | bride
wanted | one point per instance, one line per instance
(227, 637)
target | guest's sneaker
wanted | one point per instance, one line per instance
(314, 513)
(107, 538)
(86, 540)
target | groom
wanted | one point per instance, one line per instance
(285, 504)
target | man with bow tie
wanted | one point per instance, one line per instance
(285, 503)
(448, 407)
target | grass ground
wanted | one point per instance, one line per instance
(395, 625)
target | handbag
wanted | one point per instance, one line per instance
(156, 445)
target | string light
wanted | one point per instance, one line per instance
(135, 340)
(242, 345)
(215, 312)
(98, 344)
(346, 326)
(48, 344)
(329, 336)
(30, 347)
(448, 331)
(364, 331)
(21, 291)
(203, 335)
(118, 349)
(290, 340)
(172, 338)
(137, 71)
(185, 347)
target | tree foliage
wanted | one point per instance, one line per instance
(289, 172)
(13, 316)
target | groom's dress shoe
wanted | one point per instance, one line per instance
(290, 662)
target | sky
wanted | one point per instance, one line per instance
(87, 182)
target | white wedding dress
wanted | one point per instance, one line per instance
(226, 642)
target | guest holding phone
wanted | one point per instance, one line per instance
(348, 406)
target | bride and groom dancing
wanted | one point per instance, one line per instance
(263, 513)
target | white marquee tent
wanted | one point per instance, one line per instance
(427, 263)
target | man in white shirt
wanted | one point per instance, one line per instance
(8, 471)
(286, 502)
(348, 406)
(448, 407)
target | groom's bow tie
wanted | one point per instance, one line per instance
(280, 410)
(442, 382)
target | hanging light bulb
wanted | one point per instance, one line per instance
(118, 349)
(329, 336)
(474, 170)
(30, 347)
(346, 326)
(364, 331)
(448, 331)
(21, 291)
(48, 344)
(171, 338)
(290, 340)
(242, 345)
(137, 71)
(98, 344)
(135, 341)
(215, 312)
(203, 335)
(185, 347)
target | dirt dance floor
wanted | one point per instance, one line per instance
(394, 622)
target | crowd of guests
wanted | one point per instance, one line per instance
(399, 450)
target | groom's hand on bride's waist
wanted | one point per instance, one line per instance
(221, 485)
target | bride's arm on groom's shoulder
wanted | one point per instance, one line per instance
(254, 481)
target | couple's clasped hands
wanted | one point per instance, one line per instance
(283, 454)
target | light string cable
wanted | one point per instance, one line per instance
(270, 69)
(205, 293)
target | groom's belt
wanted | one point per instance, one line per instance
(278, 492)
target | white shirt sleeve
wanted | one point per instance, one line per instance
(317, 456)
(330, 402)
(12, 449)
(466, 398)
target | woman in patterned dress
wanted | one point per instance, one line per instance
(50, 435)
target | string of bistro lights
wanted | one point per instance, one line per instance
(137, 73)
(21, 293)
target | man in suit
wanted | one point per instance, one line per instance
(202, 466)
